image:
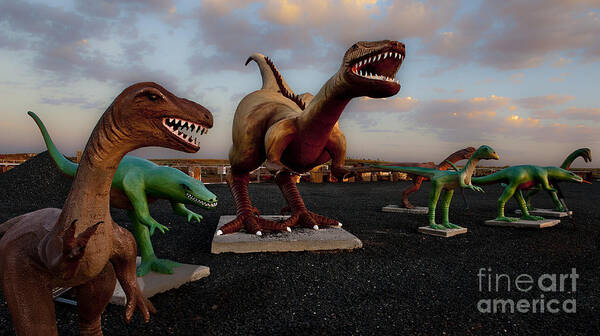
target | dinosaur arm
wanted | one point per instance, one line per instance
(277, 138)
(133, 186)
(181, 210)
(425, 172)
(336, 147)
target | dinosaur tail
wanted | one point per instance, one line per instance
(425, 172)
(488, 179)
(585, 153)
(64, 165)
(272, 79)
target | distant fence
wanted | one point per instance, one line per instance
(215, 171)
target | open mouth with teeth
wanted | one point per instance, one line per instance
(186, 131)
(205, 204)
(379, 66)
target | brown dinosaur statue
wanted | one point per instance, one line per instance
(295, 133)
(463, 154)
(81, 246)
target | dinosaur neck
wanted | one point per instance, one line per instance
(323, 112)
(88, 199)
(469, 168)
(569, 160)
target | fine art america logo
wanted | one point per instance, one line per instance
(503, 293)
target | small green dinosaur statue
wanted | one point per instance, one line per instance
(138, 182)
(586, 154)
(516, 178)
(447, 181)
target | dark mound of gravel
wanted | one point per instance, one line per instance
(400, 282)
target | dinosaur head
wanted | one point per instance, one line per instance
(486, 153)
(149, 115)
(369, 68)
(586, 154)
(559, 174)
(181, 188)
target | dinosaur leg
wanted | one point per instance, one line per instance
(28, 296)
(559, 205)
(434, 196)
(446, 199)
(92, 298)
(300, 215)
(247, 215)
(149, 259)
(123, 261)
(414, 188)
(523, 206)
(508, 192)
(528, 197)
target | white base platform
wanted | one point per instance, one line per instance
(414, 211)
(442, 233)
(549, 213)
(300, 239)
(524, 223)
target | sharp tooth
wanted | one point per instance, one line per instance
(385, 55)
(171, 120)
(360, 73)
(378, 57)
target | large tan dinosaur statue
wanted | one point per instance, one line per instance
(80, 246)
(295, 133)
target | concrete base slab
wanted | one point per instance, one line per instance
(442, 233)
(549, 213)
(524, 223)
(300, 239)
(413, 211)
(154, 283)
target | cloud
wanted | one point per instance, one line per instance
(541, 102)
(81, 102)
(364, 110)
(494, 119)
(69, 45)
(516, 34)
(299, 33)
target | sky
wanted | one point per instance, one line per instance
(520, 76)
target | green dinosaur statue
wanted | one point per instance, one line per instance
(138, 182)
(516, 178)
(447, 181)
(586, 154)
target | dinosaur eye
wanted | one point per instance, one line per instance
(153, 97)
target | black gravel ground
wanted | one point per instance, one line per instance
(400, 282)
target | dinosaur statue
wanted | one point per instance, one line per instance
(586, 154)
(295, 133)
(447, 181)
(138, 182)
(516, 178)
(81, 246)
(463, 154)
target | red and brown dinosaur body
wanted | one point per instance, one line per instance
(80, 246)
(295, 133)
(463, 154)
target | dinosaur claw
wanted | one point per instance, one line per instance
(340, 224)
(316, 227)
(288, 229)
(258, 233)
(219, 232)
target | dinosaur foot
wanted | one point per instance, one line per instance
(252, 223)
(532, 218)
(408, 205)
(310, 219)
(162, 266)
(450, 226)
(506, 219)
(437, 227)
